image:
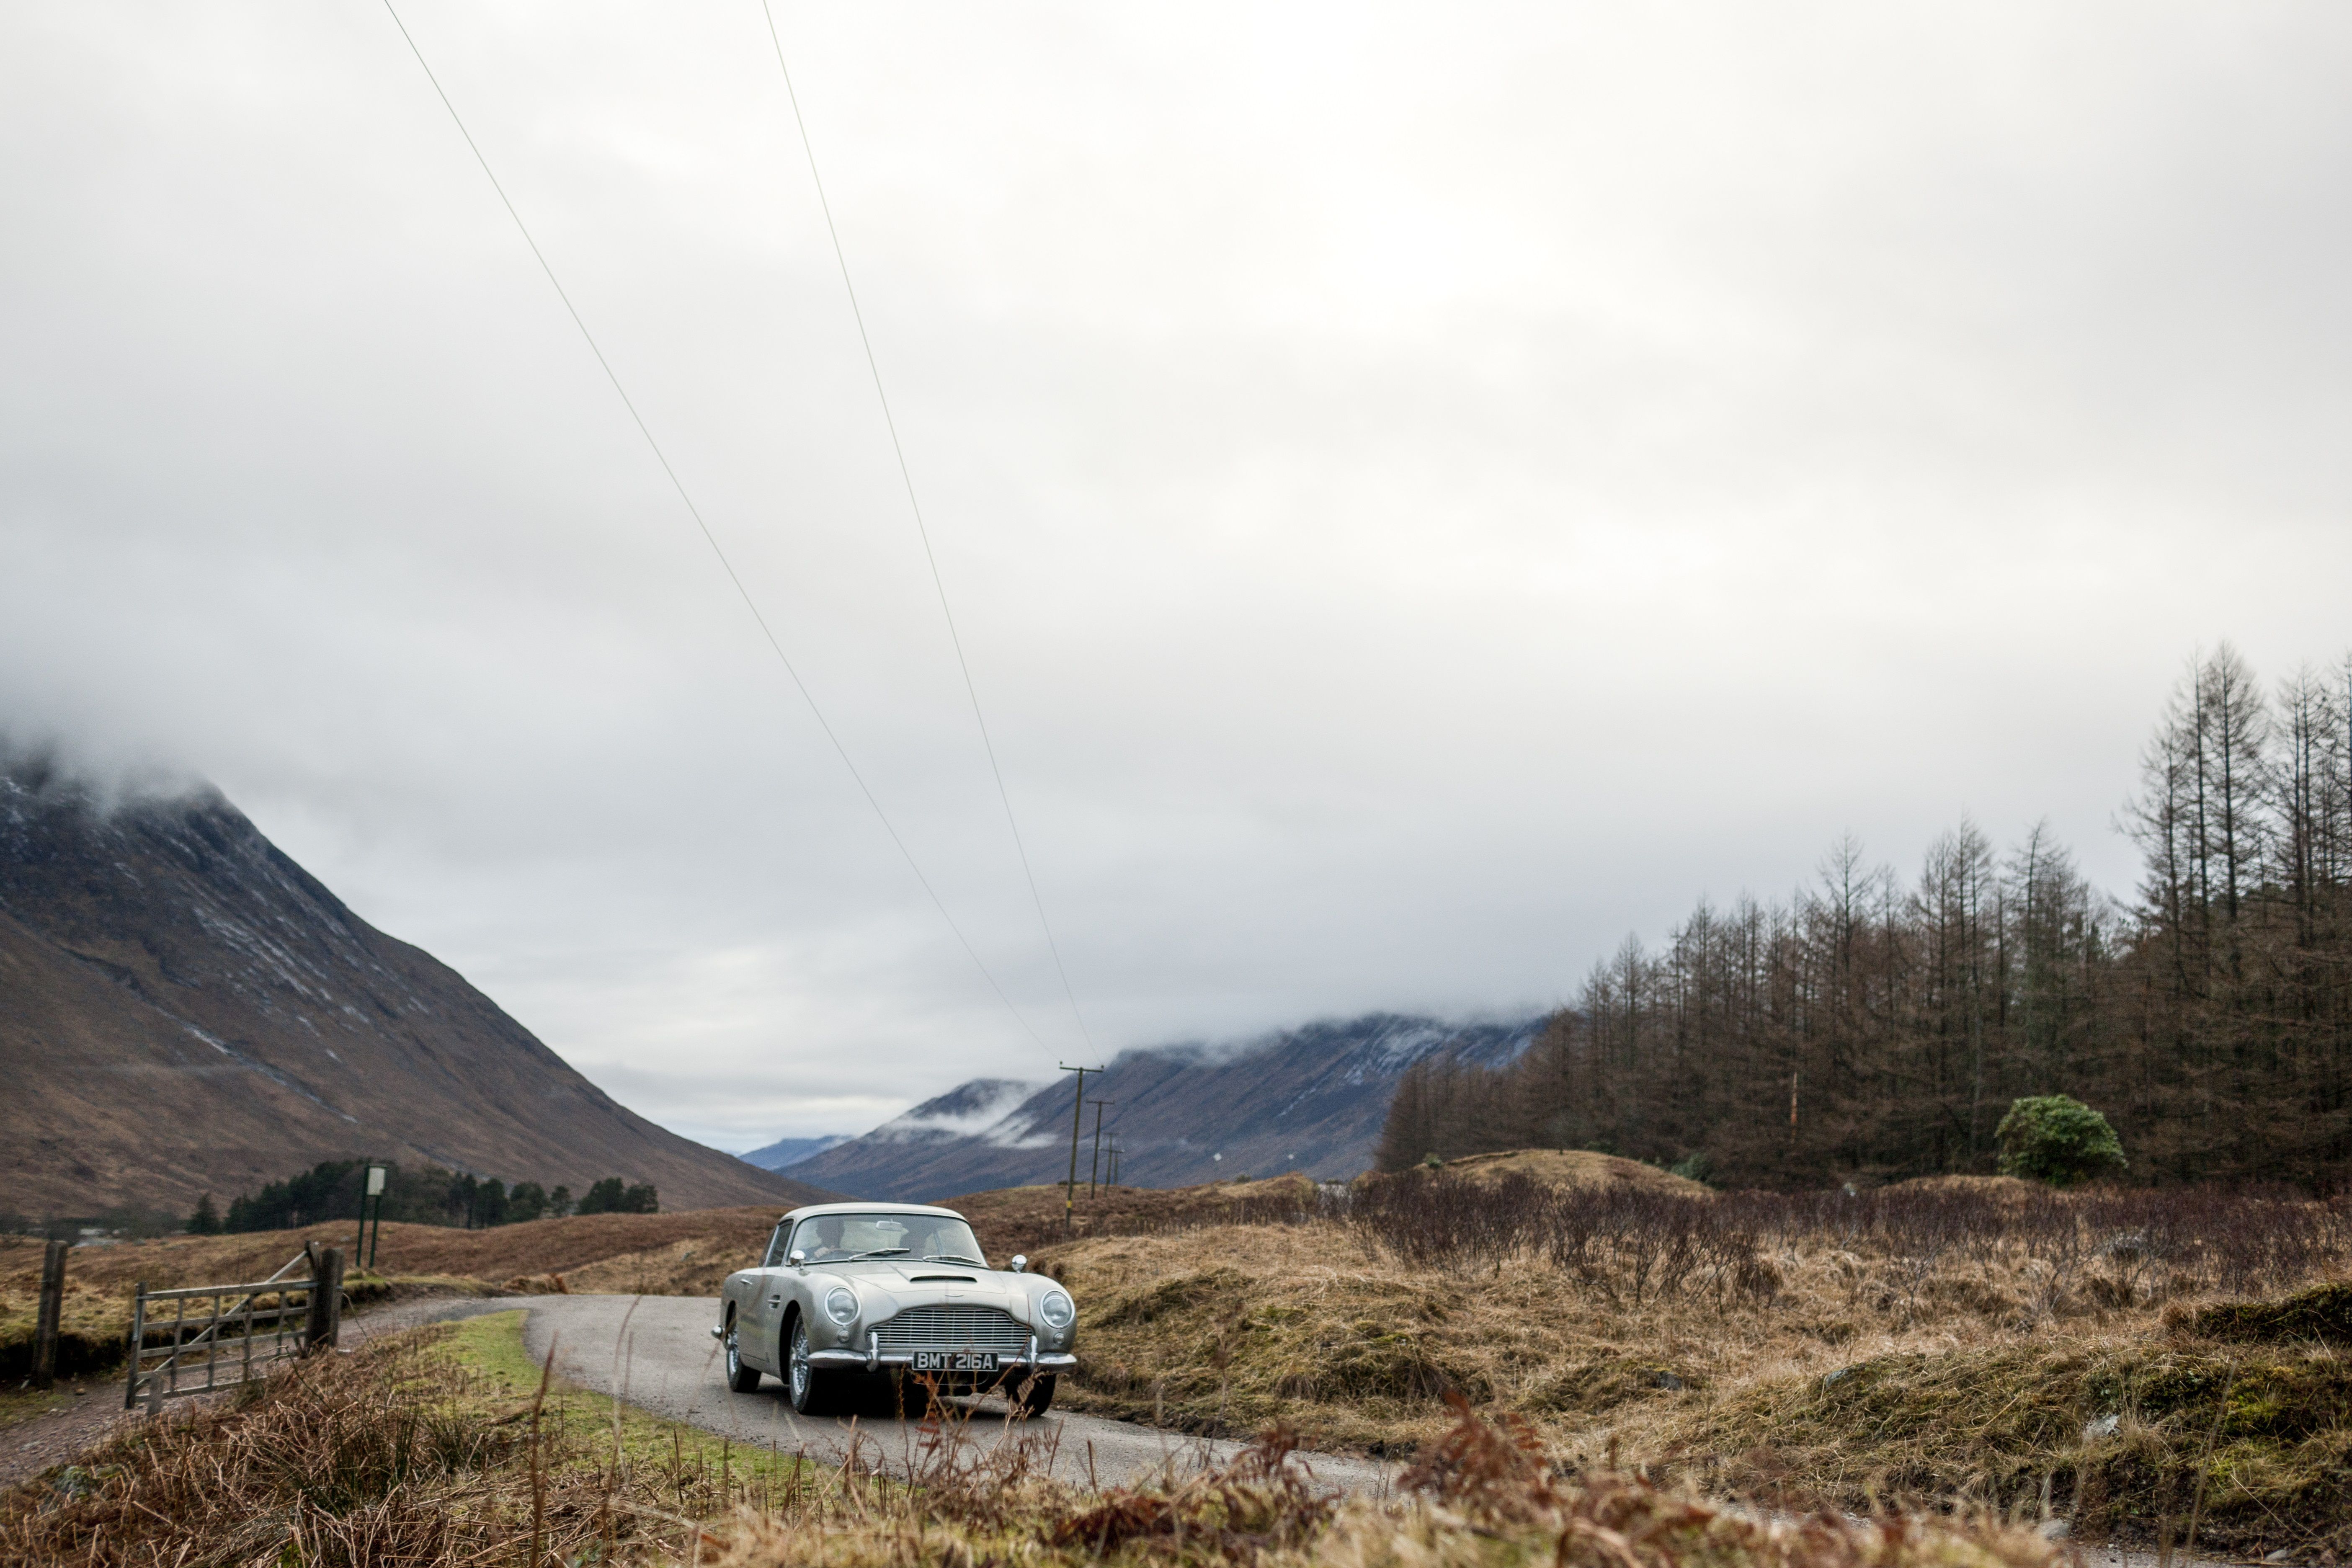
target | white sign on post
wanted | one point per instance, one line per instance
(375, 1181)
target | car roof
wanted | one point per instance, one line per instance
(815, 1210)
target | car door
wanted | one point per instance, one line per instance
(755, 1321)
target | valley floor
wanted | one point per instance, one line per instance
(1972, 1350)
(444, 1445)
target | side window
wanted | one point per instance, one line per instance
(775, 1249)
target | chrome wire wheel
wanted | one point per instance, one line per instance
(741, 1378)
(799, 1374)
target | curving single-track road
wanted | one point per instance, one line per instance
(656, 1352)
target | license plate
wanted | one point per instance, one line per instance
(955, 1361)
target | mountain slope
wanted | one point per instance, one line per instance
(184, 1009)
(1308, 1100)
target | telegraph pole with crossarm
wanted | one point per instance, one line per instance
(1077, 1112)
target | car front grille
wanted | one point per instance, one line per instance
(952, 1328)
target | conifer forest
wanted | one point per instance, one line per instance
(1877, 1027)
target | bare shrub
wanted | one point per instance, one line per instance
(1633, 1245)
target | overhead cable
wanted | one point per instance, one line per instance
(915, 505)
(742, 591)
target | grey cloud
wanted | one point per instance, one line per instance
(1423, 496)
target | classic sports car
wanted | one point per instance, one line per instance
(855, 1290)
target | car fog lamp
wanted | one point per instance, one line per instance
(841, 1306)
(1056, 1310)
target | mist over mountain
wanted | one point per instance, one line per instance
(183, 1010)
(1308, 1100)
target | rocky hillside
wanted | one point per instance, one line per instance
(1308, 1100)
(184, 1009)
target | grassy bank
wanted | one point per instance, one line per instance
(1978, 1346)
(429, 1446)
(91, 1329)
(434, 1449)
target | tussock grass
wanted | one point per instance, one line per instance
(2323, 1312)
(1960, 1345)
(2114, 1433)
(433, 1447)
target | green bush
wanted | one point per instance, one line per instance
(2057, 1139)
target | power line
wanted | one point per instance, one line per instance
(907, 476)
(708, 537)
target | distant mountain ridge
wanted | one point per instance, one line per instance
(1308, 1100)
(184, 1010)
(786, 1152)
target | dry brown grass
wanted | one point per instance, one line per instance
(90, 1331)
(1577, 1168)
(684, 1254)
(2007, 1189)
(1926, 1371)
(435, 1449)
(1024, 1219)
(540, 1246)
(429, 1448)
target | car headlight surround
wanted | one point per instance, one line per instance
(1058, 1311)
(841, 1305)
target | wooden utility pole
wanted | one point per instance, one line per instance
(1094, 1165)
(52, 1309)
(1077, 1111)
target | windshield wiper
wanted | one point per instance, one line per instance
(958, 1257)
(878, 1252)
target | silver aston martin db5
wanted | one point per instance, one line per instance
(852, 1291)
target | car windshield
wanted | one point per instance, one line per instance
(920, 1237)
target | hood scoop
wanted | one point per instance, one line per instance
(941, 1278)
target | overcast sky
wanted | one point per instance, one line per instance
(1425, 492)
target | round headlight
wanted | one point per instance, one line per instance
(1056, 1310)
(841, 1306)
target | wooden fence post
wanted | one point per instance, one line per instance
(138, 1343)
(52, 1309)
(326, 1300)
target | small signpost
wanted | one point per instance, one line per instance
(364, 1246)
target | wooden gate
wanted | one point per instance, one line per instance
(198, 1337)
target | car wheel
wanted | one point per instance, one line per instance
(743, 1379)
(1034, 1397)
(812, 1391)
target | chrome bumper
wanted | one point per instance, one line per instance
(863, 1361)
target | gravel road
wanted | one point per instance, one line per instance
(655, 1352)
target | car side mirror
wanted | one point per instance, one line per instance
(1020, 1263)
(799, 1260)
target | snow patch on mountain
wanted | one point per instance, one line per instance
(1310, 1099)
